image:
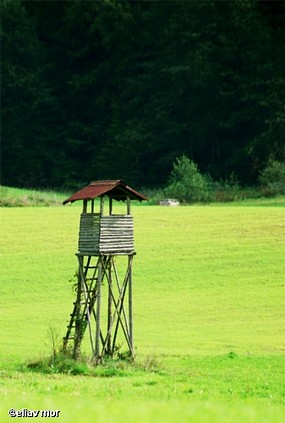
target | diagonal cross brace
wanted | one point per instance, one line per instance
(118, 311)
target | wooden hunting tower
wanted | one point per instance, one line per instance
(103, 237)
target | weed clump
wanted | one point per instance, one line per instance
(62, 362)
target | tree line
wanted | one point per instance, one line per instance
(119, 89)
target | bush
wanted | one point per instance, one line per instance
(186, 183)
(230, 190)
(272, 178)
(153, 194)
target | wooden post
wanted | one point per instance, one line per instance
(130, 259)
(102, 205)
(109, 317)
(110, 206)
(84, 206)
(98, 312)
(92, 206)
(85, 309)
(128, 205)
(78, 332)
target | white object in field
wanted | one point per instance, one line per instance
(169, 202)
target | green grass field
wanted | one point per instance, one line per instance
(17, 197)
(208, 316)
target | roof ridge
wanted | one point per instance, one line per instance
(106, 181)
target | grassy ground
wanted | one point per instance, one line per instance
(208, 308)
(17, 197)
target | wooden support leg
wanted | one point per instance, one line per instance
(120, 312)
(130, 259)
(98, 312)
(109, 323)
(78, 332)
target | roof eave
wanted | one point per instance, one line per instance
(109, 187)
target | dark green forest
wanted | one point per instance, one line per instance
(119, 89)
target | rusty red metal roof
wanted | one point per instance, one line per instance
(115, 189)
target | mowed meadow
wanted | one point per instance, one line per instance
(208, 316)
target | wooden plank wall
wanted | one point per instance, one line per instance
(89, 233)
(106, 234)
(116, 234)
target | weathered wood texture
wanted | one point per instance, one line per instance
(106, 234)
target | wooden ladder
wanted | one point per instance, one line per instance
(83, 307)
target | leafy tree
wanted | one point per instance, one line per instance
(186, 183)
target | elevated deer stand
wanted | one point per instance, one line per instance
(102, 291)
